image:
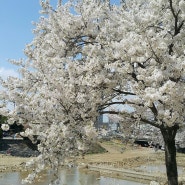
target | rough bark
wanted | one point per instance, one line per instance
(169, 134)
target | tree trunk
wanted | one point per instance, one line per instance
(169, 134)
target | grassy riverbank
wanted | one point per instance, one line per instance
(10, 163)
(130, 157)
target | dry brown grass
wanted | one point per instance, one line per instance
(128, 156)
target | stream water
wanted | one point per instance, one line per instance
(69, 177)
(160, 168)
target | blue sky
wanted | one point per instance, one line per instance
(16, 17)
(16, 27)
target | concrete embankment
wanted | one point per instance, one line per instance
(128, 174)
(17, 147)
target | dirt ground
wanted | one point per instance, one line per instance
(128, 156)
(10, 163)
(118, 156)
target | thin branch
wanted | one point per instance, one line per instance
(154, 110)
(109, 112)
(180, 26)
(111, 103)
(114, 103)
(157, 58)
(171, 7)
(150, 122)
(123, 92)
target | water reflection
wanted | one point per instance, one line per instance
(69, 177)
(157, 168)
(9, 178)
(75, 177)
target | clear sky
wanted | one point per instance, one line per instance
(16, 17)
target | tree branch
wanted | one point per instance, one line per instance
(123, 92)
(154, 110)
(109, 112)
(150, 122)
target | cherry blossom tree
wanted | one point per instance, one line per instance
(89, 55)
(143, 42)
(148, 51)
(52, 99)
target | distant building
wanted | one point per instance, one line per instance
(114, 126)
(101, 124)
